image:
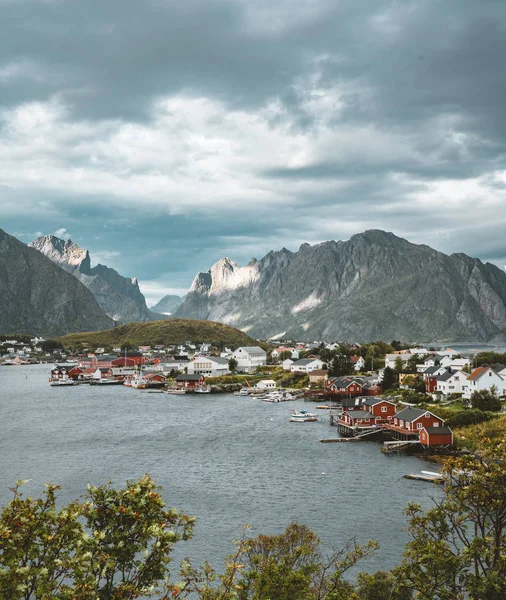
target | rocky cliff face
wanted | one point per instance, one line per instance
(167, 305)
(38, 297)
(119, 297)
(374, 286)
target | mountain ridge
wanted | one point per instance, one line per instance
(375, 285)
(119, 297)
(40, 298)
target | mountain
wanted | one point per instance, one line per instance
(373, 286)
(167, 305)
(40, 298)
(169, 331)
(119, 297)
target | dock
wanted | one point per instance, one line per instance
(335, 440)
(425, 476)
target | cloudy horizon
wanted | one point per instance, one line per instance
(163, 136)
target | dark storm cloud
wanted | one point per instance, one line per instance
(399, 105)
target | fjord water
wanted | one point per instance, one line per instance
(227, 460)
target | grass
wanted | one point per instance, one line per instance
(170, 331)
(474, 437)
(282, 378)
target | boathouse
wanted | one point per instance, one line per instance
(383, 410)
(344, 386)
(409, 422)
(186, 381)
(436, 436)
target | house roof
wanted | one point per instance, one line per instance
(187, 377)
(349, 402)
(355, 359)
(436, 430)
(360, 414)
(431, 370)
(318, 373)
(374, 401)
(446, 376)
(304, 361)
(251, 349)
(410, 414)
(477, 373)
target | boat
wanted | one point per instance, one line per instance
(278, 397)
(242, 392)
(176, 392)
(137, 381)
(202, 390)
(64, 381)
(301, 416)
(106, 382)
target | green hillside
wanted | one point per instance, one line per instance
(171, 331)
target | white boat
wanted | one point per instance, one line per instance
(303, 415)
(176, 392)
(242, 392)
(202, 390)
(136, 381)
(64, 381)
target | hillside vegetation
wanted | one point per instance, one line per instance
(171, 331)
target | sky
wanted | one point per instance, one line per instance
(163, 135)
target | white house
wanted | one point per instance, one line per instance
(287, 364)
(391, 358)
(457, 364)
(452, 382)
(419, 351)
(306, 365)
(249, 358)
(358, 362)
(210, 366)
(483, 378)
(174, 365)
(265, 384)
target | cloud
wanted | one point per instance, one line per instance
(188, 131)
(154, 290)
(62, 233)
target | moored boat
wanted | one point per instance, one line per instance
(63, 381)
(301, 416)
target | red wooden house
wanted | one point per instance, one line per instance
(187, 381)
(344, 386)
(71, 371)
(383, 410)
(410, 421)
(436, 436)
(357, 418)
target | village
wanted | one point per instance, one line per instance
(401, 401)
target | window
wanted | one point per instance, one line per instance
(419, 425)
(435, 424)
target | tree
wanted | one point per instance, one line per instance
(399, 365)
(289, 566)
(458, 547)
(114, 544)
(284, 355)
(232, 364)
(486, 399)
(341, 365)
(381, 586)
(390, 379)
(411, 364)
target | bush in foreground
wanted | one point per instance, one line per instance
(116, 544)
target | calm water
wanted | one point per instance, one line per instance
(228, 460)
